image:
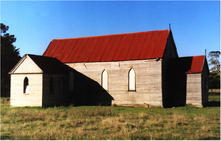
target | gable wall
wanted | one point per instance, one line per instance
(170, 52)
(18, 98)
(148, 80)
(28, 66)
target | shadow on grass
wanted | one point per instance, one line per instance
(5, 137)
(210, 138)
(212, 104)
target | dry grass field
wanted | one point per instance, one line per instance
(110, 123)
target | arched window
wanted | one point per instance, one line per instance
(71, 81)
(104, 80)
(132, 81)
(25, 88)
(51, 86)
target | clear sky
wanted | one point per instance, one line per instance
(195, 24)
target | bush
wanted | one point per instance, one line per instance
(214, 80)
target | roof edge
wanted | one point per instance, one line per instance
(21, 61)
(169, 30)
(18, 64)
(201, 70)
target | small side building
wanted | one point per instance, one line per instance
(189, 79)
(38, 81)
(197, 82)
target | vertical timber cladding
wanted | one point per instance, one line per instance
(147, 76)
(18, 97)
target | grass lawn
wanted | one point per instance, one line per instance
(110, 123)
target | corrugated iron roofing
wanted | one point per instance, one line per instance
(192, 64)
(118, 47)
(197, 64)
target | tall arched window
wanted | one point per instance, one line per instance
(104, 80)
(132, 80)
(71, 81)
(51, 86)
(25, 86)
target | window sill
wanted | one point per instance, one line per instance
(26, 93)
(132, 91)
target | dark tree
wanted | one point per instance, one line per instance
(9, 57)
(214, 80)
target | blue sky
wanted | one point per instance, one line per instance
(195, 24)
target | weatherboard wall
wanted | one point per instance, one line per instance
(197, 82)
(18, 97)
(194, 89)
(148, 76)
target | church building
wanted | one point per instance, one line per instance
(132, 69)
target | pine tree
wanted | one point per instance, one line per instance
(9, 57)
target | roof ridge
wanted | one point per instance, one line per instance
(120, 34)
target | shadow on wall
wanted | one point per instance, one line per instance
(87, 92)
(175, 94)
(212, 104)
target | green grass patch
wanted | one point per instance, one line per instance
(110, 123)
(214, 97)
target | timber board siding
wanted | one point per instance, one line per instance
(194, 89)
(147, 75)
(18, 98)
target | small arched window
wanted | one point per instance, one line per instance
(51, 86)
(71, 81)
(104, 80)
(25, 86)
(132, 81)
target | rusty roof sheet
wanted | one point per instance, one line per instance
(118, 47)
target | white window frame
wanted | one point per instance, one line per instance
(104, 80)
(131, 80)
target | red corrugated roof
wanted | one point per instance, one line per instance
(197, 64)
(118, 47)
